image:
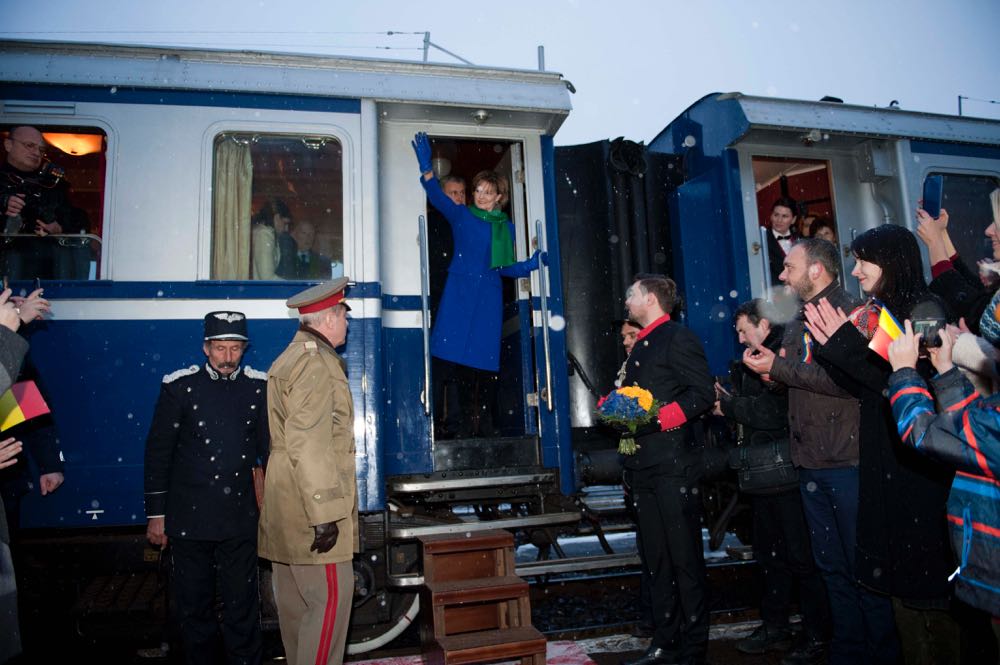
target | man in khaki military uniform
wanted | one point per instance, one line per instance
(309, 521)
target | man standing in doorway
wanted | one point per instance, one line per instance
(781, 236)
(669, 361)
(309, 522)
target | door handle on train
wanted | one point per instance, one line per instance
(425, 312)
(543, 282)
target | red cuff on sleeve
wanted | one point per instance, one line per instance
(941, 267)
(601, 401)
(671, 416)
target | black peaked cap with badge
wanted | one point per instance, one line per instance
(226, 326)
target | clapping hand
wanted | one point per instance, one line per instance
(823, 320)
(759, 359)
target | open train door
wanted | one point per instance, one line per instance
(485, 420)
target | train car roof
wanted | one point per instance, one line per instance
(533, 98)
(720, 120)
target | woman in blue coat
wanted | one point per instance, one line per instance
(469, 318)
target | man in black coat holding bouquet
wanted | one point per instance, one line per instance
(669, 361)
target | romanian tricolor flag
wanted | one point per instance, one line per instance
(888, 330)
(22, 402)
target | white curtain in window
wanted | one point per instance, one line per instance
(231, 199)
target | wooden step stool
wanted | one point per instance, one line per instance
(476, 610)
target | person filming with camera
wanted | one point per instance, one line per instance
(35, 201)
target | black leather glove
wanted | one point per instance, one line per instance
(326, 537)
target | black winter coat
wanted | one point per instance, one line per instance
(964, 294)
(669, 361)
(902, 537)
(758, 406)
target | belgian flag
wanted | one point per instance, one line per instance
(22, 402)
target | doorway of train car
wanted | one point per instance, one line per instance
(482, 418)
(794, 200)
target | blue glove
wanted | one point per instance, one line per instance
(538, 259)
(422, 147)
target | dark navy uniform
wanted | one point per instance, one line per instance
(668, 360)
(208, 432)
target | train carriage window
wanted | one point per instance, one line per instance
(970, 211)
(277, 208)
(52, 182)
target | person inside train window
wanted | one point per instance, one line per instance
(782, 235)
(952, 279)
(282, 178)
(35, 200)
(804, 227)
(271, 245)
(823, 228)
(466, 334)
(306, 262)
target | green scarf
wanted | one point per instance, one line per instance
(501, 244)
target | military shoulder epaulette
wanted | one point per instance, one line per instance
(187, 371)
(252, 373)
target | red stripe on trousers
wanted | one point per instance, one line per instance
(329, 615)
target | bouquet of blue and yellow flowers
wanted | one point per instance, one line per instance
(629, 408)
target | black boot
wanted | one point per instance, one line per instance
(809, 650)
(766, 638)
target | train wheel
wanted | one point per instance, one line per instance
(403, 610)
(382, 612)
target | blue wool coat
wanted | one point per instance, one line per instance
(467, 327)
(965, 435)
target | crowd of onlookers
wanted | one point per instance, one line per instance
(887, 410)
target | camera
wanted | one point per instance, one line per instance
(32, 190)
(930, 330)
(928, 318)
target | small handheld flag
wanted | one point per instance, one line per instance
(887, 331)
(22, 402)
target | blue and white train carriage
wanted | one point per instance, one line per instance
(856, 166)
(171, 153)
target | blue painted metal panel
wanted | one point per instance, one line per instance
(101, 379)
(406, 430)
(557, 448)
(701, 134)
(710, 265)
(162, 96)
